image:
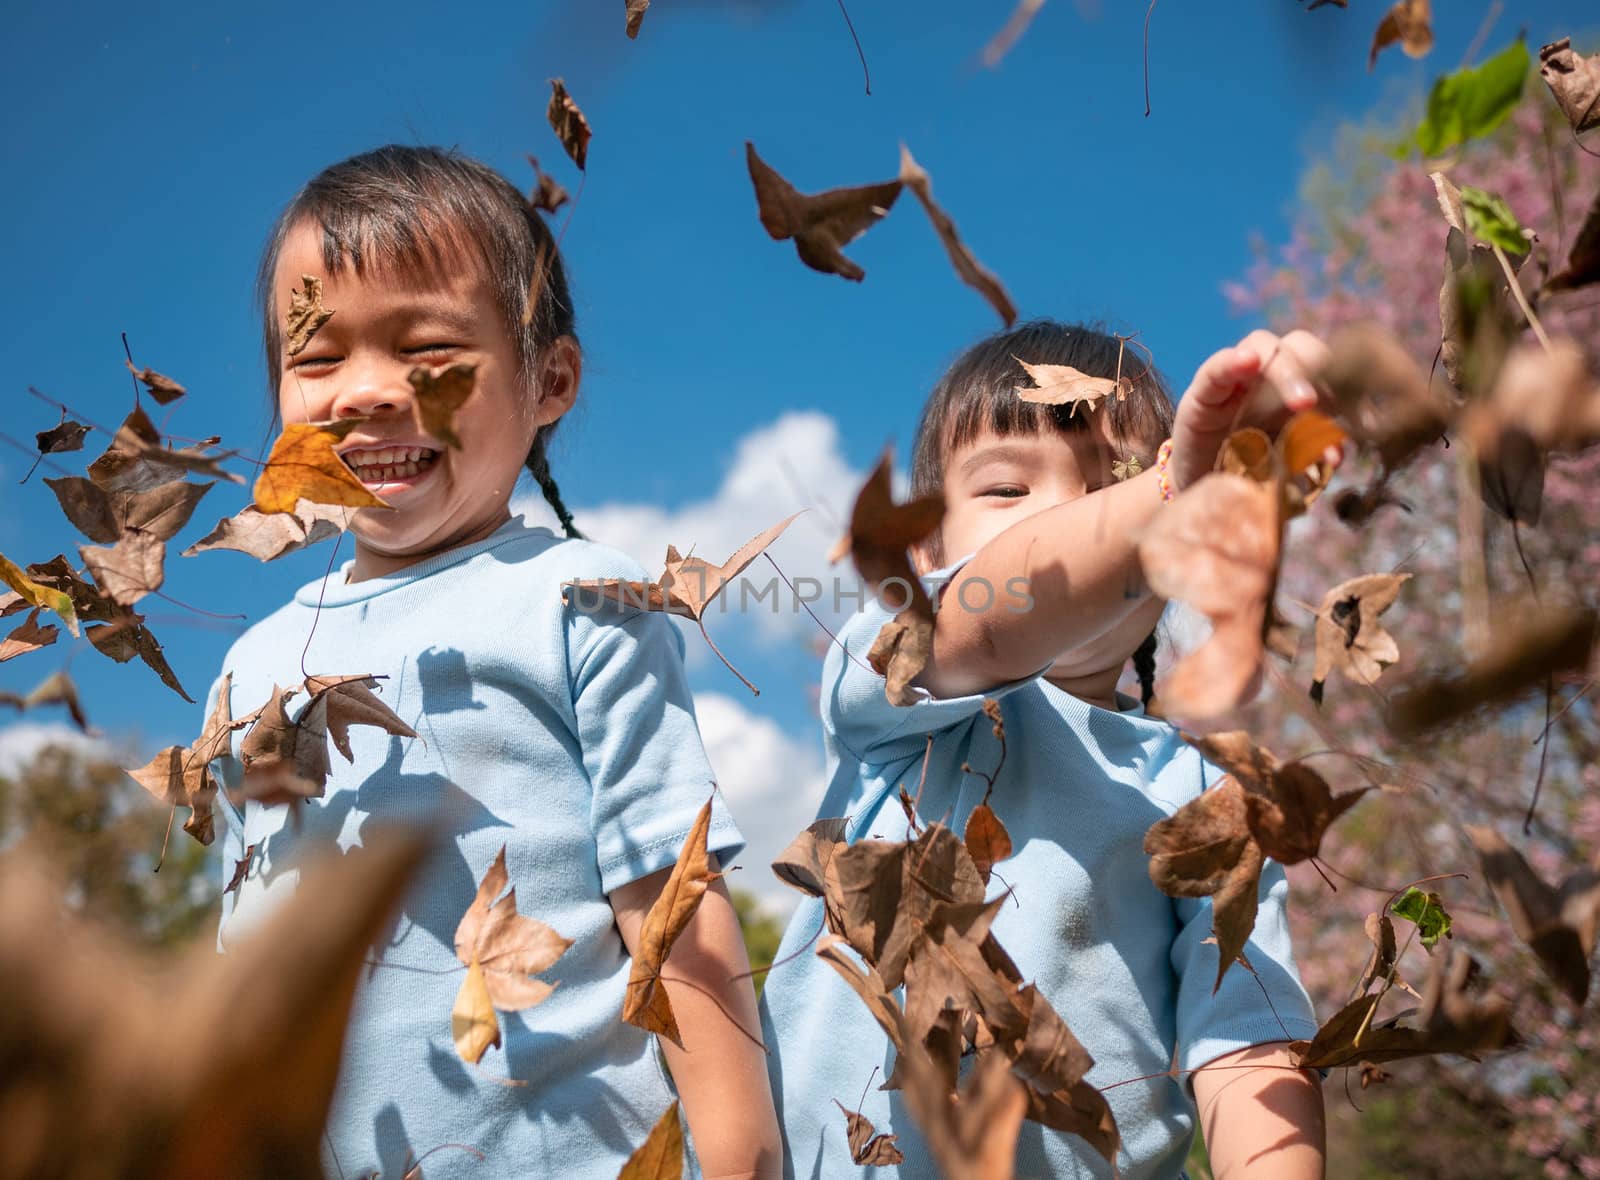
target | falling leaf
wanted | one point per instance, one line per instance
(39, 595)
(1583, 260)
(1426, 912)
(181, 776)
(972, 272)
(68, 436)
(1473, 101)
(647, 1004)
(26, 637)
(241, 869)
(568, 123)
(1491, 220)
(55, 689)
(867, 1147)
(1348, 634)
(270, 535)
(130, 569)
(660, 1156)
(1531, 642)
(1543, 397)
(286, 758)
(547, 195)
(1059, 385)
(1215, 547)
(974, 1138)
(636, 11)
(803, 865)
(987, 840)
(882, 531)
(1408, 23)
(305, 316)
(1011, 32)
(162, 388)
(439, 394)
(1381, 964)
(126, 636)
(136, 461)
(473, 1025)
(1384, 397)
(821, 224)
(304, 466)
(900, 652)
(1558, 923)
(1575, 83)
(351, 701)
(107, 517)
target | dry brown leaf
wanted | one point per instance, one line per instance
(130, 569)
(27, 636)
(660, 1156)
(547, 195)
(567, 121)
(1575, 83)
(972, 272)
(1558, 923)
(126, 636)
(1348, 634)
(55, 689)
(163, 389)
(821, 224)
(900, 652)
(974, 1137)
(867, 1147)
(1059, 385)
(865, 981)
(881, 532)
(305, 316)
(803, 865)
(636, 11)
(108, 517)
(1384, 396)
(181, 776)
(1544, 395)
(67, 436)
(1531, 641)
(284, 758)
(303, 465)
(439, 394)
(241, 869)
(267, 536)
(1583, 260)
(351, 701)
(1409, 24)
(136, 461)
(987, 840)
(647, 1004)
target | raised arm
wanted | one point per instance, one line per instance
(1262, 1119)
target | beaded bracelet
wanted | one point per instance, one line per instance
(1163, 471)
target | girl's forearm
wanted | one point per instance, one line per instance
(1262, 1123)
(1079, 565)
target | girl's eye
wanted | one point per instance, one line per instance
(431, 348)
(302, 362)
(1006, 491)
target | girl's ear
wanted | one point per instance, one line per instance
(922, 559)
(560, 369)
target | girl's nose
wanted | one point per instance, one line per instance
(374, 390)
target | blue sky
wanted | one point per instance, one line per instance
(150, 151)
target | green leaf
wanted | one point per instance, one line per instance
(1490, 219)
(1474, 100)
(1427, 911)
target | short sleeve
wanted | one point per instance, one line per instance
(1270, 1005)
(641, 744)
(856, 713)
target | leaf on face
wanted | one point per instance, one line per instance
(1491, 220)
(1215, 547)
(267, 536)
(867, 1147)
(1348, 634)
(571, 128)
(547, 195)
(1383, 395)
(55, 689)
(972, 272)
(1558, 923)
(136, 461)
(987, 840)
(27, 636)
(1060, 385)
(1408, 24)
(660, 1156)
(1473, 101)
(647, 1004)
(1575, 83)
(305, 316)
(439, 394)
(303, 465)
(821, 224)
(1426, 912)
(68, 436)
(39, 594)
(636, 11)
(164, 389)
(1531, 642)
(130, 569)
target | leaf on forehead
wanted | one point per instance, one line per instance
(68, 436)
(821, 224)
(1060, 385)
(647, 1004)
(868, 1148)
(636, 11)
(547, 195)
(305, 316)
(1558, 922)
(164, 389)
(1574, 82)
(439, 394)
(971, 271)
(1348, 634)
(130, 569)
(1409, 24)
(660, 1156)
(27, 637)
(39, 594)
(269, 535)
(55, 689)
(568, 123)
(1383, 395)
(136, 461)
(304, 466)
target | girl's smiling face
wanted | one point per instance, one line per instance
(357, 366)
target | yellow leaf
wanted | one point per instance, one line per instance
(303, 466)
(659, 1157)
(12, 575)
(472, 1020)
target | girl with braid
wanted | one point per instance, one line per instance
(1040, 606)
(563, 733)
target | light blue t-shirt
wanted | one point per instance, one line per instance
(566, 734)
(1126, 966)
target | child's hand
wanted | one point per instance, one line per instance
(1261, 382)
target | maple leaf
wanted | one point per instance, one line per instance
(1215, 547)
(865, 981)
(125, 636)
(130, 569)
(1348, 634)
(439, 394)
(1384, 397)
(1059, 385)
(67, 436)
(55, 689)
(636, 11)
(821, 224)
(164, 389)
(305, 316)
(501, 949)
(568, 123)
(1558, 923)
(1574, 82)
(304, 466)
(975, 1136)
(647, 1005)
(351, 701)
(108, 517)
(285, 758)
(27, 636)
(547, 195)
(660, 1156)
(270, 535)
(39, 594)
(1409, 24)
(867, 1147)
(136, 461)
(972, 272)
(181, 776)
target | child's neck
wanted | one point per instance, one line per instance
(371, 563)
(1097, 688)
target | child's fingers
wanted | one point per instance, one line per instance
(1225, 375)
(1295, 358)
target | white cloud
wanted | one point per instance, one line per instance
(22, 742)
(773, 783)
